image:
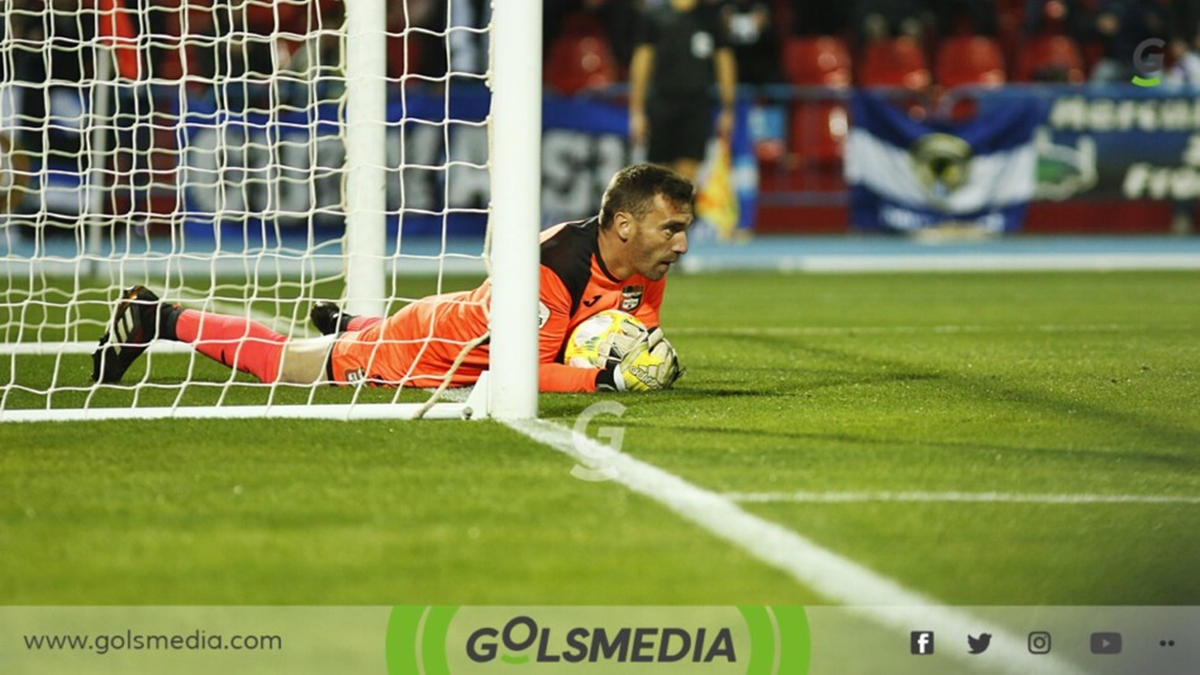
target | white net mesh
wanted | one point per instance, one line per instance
(200, 149)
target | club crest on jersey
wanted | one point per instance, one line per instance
(631, 298)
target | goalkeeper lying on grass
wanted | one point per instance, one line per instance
(618, 260)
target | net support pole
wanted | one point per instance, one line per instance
(365, 182)
(516, 154)
(95, 186)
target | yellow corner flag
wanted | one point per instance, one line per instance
(717, 201)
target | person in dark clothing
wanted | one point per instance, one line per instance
(1185, 27)
(875, 20)
(1120, 26)
(749, 25)
(820, 18)
(979, 15)
(1065, 16)
(52, 56)
(681, 51)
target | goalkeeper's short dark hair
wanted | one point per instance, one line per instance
(633, 189)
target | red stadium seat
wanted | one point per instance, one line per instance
(817, 60)
(582, 24)
(817, 131)
(817, 125)
(969, 60)
(1050, 58)
(576, 63)
(898, 62)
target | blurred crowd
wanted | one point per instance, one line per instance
(275, 55)
(207, 43)
(1025, 40)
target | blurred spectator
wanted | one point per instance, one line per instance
(418, 52)
(52, 57)
(312, 68)
(1065, 17)
(681, 52)
(975, 17)
(234, 52)
(1185, 48)
(468, 39)
(138, 106)
(621, 17)
(751, 33)
(875, 20)
(1120, 26)
(820, 18)
(1185, 34)
(614, 20)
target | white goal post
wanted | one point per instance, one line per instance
(251, 158)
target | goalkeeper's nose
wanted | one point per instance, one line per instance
(679, 243)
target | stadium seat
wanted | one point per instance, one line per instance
(576, 63)
(969, 60)
(582, 24)
(817, 125)
(1049, 58)
(817, 131)
(898, 62)
(817, 60)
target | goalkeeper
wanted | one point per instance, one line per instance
(616, 260)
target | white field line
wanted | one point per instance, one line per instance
(948, 262)
(839, 579)
(949, 497)
(902, 330)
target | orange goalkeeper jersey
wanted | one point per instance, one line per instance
(417, 345)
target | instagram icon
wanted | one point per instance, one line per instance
(1039, 642)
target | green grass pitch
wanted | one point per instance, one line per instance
(1059, 384)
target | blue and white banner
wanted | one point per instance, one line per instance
(906, 175)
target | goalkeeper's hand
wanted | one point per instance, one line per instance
(650, 364)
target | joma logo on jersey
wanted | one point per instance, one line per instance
(631, 298)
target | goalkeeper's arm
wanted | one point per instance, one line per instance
(651, 364)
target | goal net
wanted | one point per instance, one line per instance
(251, 158)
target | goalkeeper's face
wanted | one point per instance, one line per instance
(659, 238)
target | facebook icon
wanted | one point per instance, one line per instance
(921, 642)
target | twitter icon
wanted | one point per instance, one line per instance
(979, 644)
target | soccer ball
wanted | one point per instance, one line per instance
(601, 340)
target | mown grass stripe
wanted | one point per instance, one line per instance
(840, 579)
